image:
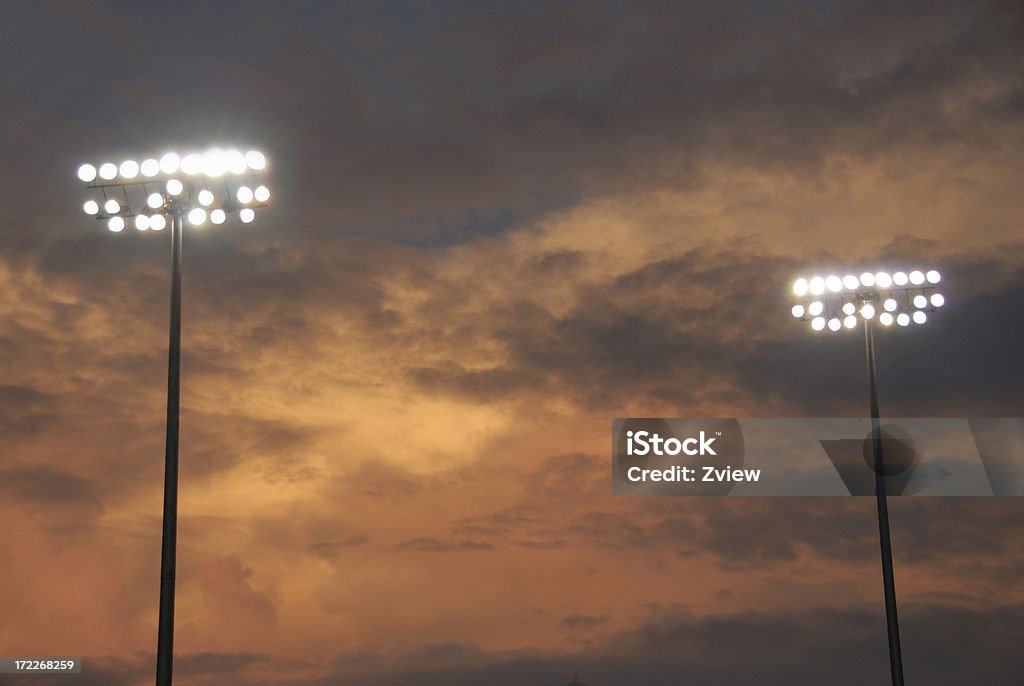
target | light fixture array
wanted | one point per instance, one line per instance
(208, 186)
(836, 302)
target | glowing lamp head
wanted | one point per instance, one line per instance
(850, 321)
(262, 194)
(197, 216)
(116, 224)
(91, 207)
(205, 198)
(255, 160)
(798, 311)
(916, 278)
(157, 222)
(818, 323)
(868, 311)
(816, 308)
(851, 282)
(920, 317)
(938, 300)
(218, 216)
(108, 171)
(87, 173)
(885, 318)
(933, 277)
(154, 200)
(149, 167)
(900, 278)
(817, 285)
(111, 206)
(834, 324)
(129, 169)
(883, 279)
(903, 319)
(244, 195)
(142, 222)
(192, 164)
(170, 163)
(800, 287)
(175, 187)
(246, 215)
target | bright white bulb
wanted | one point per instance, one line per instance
(142, 222)
(920, 317)
(116, 224)
(196, 216)
(205, 198)
(244, 194)
(851, 282)
(850, 322)
(192, 164)
(890, 305)
(108, 171)
(818, 323)
(150, 167)
(883, 279)
(916, 278)
(920, 301)
(234, 161)
(835, 324)
(213, 163)
(834, 283)
(255, 160)
(885, 318)
(155, 200)
(157, 222)
(129, 169)
(938, 300)
(815, 308)
(87, 172)
(933, 276)
(817, 285)
(246, 215)
(174, 187)
(262, 194)
(867, 279)
(800, 287)
(170, 163)
(112, 206)
(899, 278)
(798, 310)
(218, 216)
(849, 308)
(868, 311)
(903, 319)
(91, 207)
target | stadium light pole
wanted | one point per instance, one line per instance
(900, 298)
(156, 192)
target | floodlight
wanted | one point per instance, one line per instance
(87, 172)
(174, 187)
(920, 301)
(849, 308)
(255, 160)
(111, 206)
(108, 171)
(899, 278)
(916, 278)
(920, 317)
(155, 200)
(116, 224)
(91, 207)
(818, 323)
(835, 324)
(868, 311)
(150, 167)
(885, 318)
(142, 222)
(932, 277)
(890, 304)
(817, 285)
(246, 215)
(851, 282)
(235, 162)
(883, 279)
(157, 222)
(205, 198)
(170, 163)
(218, 216)
(798, 310)
(196, 216)
(938, 300)
(192, 164)
(815, 308)
(800, 287)
(833, 282)
(867, 279)
(850, 321)
(129, 169)
(262, 194)
(903, 319)
(244, 194)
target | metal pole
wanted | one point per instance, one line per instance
(888, 581)
(165, 638)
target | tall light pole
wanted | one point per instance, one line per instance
(152, 194)
(836, 303)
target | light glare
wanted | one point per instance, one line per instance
(150, 167)
(818, 323)
(157, 222)
(255, 160)
(192, 164)
(938, 300)
(262, 194)
(91, 207)
(246, 215)
(142, 222)
(868, 279)
(920, 301)
(817, 285)
(920, 317)
(116, 224)
(155, 200)
(196, 216)
(885, 318)
(205, 198)
(170, 163)
(890, 305)
(174, 187)
(87, 172)
(916, 278)
(883, 279)
(798, 310)
(868, 311)
(849, 308)
(933, 276)
(234, 161)
(903, 319)
(835, 324)
(129, 169)
(850, 322)
(851, 282)
(218, 216)
(899, 278)
(800, 287)
(815, 308)
(112, 206)
(108, 171)
(833, 282)
(244, 194)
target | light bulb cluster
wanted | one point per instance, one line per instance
(202, 187)
(837, 302)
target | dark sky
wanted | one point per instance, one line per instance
(494, 228)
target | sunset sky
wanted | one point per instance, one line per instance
(494, 228)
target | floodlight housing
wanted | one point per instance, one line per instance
(887, 296)
(222, 182)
